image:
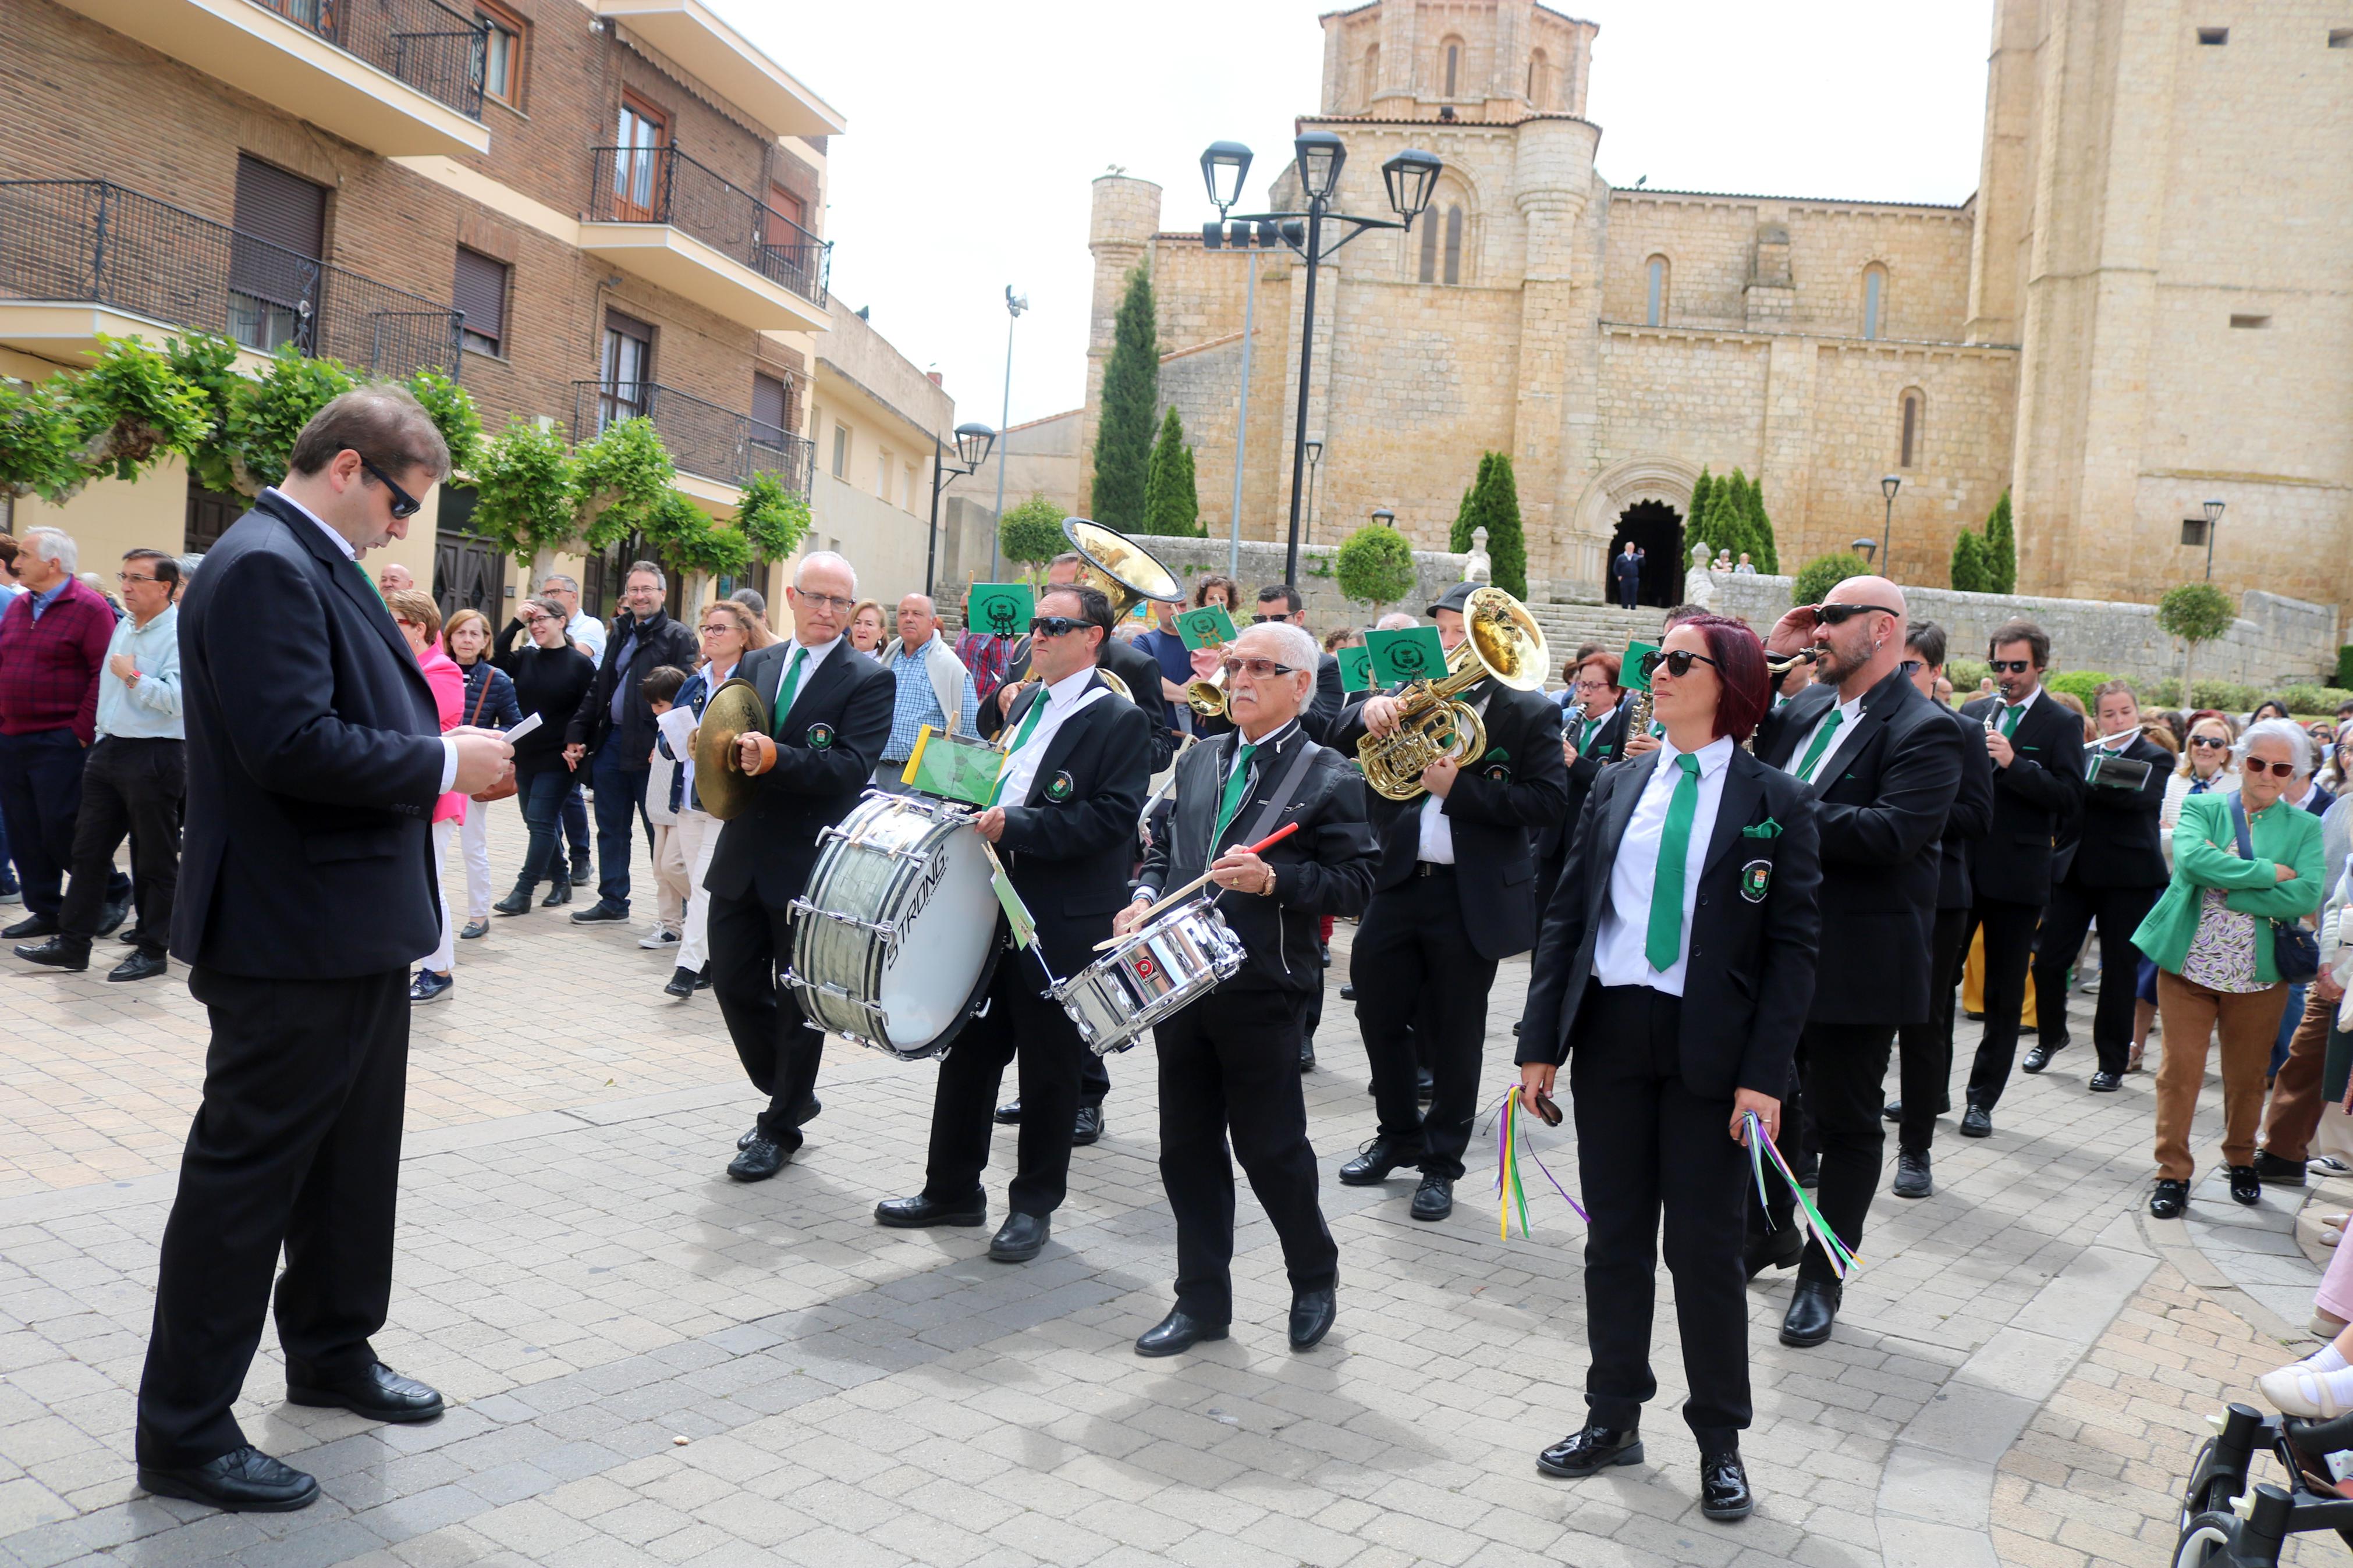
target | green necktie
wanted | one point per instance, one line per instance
(1822, 743)
(1585, 741)
(791, 688)
(1237, 786)
(1666, 936)
(1020, 739)
(369, 581)
(2010, 720)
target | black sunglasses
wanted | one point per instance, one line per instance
(2283, 770)
(1678, 662)
(2210, 744)
(402, 503)
(2012, 665)
(1261, 620)
(1839, 614)
(1057, 625)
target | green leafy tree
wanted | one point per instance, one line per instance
(1375, 565)
(1818, 576)
(40, 445)
(2345, 664)
(1473, 513)
(132, 407)
(621, 477)
(1730, 507)
(1131, 389)
(452, 410)
(1507, 545)
(773, 519)
(690, 540)
(1764, 550)
(1968, 569)
(1170, 505)
(527, 493)
(1695, 518)
(1031, 533)
(2000, 550)
(269, 411)
(207, 362)
(2078, 684)
(2196, 613)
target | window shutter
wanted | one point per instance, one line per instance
(767, 408)
(285, 211)
(480, 292)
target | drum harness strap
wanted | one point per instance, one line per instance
(1285, 788)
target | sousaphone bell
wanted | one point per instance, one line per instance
(735, 710)
(1122, 569)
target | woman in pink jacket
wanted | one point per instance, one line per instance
(419, 620)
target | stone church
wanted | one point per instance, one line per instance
(2147, 303)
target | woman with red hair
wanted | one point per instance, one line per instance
(1693, 872)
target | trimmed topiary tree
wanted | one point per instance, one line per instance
(1968, 569)
(2000, 550)
(1820, 576)
(1695, 518)
(1507, 544)
(1031, 533)
(2196, 613)
(773, 519)
(527, 493)
(1472, 513)
(1131, 389)
(1375, 565)
(1764, 550)
(1170, 506)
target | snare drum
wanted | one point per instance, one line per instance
(895, 940)
(1155, 971)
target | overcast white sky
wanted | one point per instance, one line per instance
(974, 132)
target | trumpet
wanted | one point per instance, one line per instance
(1207, 698)
(1502, 640)
(1778, 667)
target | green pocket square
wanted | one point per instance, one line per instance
(1497, 754)
(1768, 828)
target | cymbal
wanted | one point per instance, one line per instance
(734, 711)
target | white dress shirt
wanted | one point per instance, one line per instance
(1850, 715)
(817, 652)
(1436, 834)
(1063, 699)
(1618, 957)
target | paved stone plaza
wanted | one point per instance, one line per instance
(650, 1363)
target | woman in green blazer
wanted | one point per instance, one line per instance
(2212, 937)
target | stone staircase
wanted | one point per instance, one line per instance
(1565, 626)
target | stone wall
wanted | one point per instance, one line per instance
(1262, 563)
(2274, 641)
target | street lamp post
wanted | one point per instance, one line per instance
(972, 445)
(1223, 168)
(1865, 547)
(2213, 521)
(1410, 177)
(1014, 305)
(1314, 461)
(1888, 487)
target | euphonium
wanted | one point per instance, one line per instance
(1502, 641)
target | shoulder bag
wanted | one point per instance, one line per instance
(2296, 951)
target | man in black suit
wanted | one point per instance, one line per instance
(2036, 751)
(1924, 1049)
(1884, 763)
(1626, 575)
(307, 889)
(1592, 736)
(1225, 1060)
(1064, 820)
(1283, 602)
(617, 723)
(1455, 895)
(2111, 870)
(829, 717)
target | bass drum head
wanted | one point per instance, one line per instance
(946, 921)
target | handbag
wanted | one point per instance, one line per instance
(2296, 951)
(505, 786)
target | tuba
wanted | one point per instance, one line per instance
(1501, 641)
(1122, 569)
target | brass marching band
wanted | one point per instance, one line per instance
(1016, 927)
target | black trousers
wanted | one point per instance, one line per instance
(133, 788)
(1647, 1146)
(40, 792)
(297, 1144)
(751, 947)
(1842, 1067)
(2009, 950)
(2073, 909)
(1021, 1021)
(1411, 947)
(1230, 1063)
(1925, 1050)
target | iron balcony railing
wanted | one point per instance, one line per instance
(434, 49)
(703, 438)
(75, 241)
(662, 184)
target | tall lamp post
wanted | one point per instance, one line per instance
(1223, 168)
(1314, 461)
(972, 445)
(1410, 177)
(1887, 486)
(2213, 521)
(1014, 305)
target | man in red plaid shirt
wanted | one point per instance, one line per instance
(53, 641)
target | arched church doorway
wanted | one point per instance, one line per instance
(1656, 530)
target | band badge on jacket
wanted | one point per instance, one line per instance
(1059, 788)
(1496, 766)
(820, 737)
(1755, 878)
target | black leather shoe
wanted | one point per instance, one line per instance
(2169, 1199)
(112, 920)
(1020, 1237)
(142, 964)
(2039, 1058)
(1591, 1448)
(1775, 1249)
(920, 1213)
(1374, 1163)
(1306, 1052)
(1724, 1491)
(379, 1393)
(1311, 1312)
(1894, 1111)
(1976, 1123)
(2270, 1167)
(681, 984)
(559, 893)
(30, 926)
(67, 952)
(1009, 1114)
(1911, 1178)
(136, 935)
(582, 873)
(473, 930)
(1348, 991)
(1088, 1127)
(1434, 1199)
(809, 1110)
(2105, 1082)
(1813, 1308)
(244, 1481)
(517, 902)
(702, 983)
(1424, 1087)
(2246, 1187)
(763, 1157)
(1177, 1333)
(598, 913)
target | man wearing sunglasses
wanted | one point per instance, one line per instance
(2036, 751)
(1064, 820)
(1883, 763)
(307, 890)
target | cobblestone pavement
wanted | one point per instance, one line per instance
(2019, 1374)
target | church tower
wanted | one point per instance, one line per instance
(1488, 60)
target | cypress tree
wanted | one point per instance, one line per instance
(1130, 389)
(1727, 509)
(1473, 512)
(2000, 550)
(1188, 503)
(1695, 519)
(1968, 564)
(1764, 551)
(1507, 548)
(1169, 506)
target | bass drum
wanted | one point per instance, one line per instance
(895, 940)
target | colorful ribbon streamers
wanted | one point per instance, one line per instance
(1509, 1137)
(1760, 1144)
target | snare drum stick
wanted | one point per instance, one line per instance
(1175, 896)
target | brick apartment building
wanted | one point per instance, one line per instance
(585, 209)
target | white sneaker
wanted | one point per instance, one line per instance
(658, 938)
(2298, 1390)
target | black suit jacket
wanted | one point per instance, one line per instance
(1324, 709)
(315, 757)
(1970, 820)
(1622, 566)
(1609, 746)
(1498, 805)
(2114, 843)
(1884, 795)
(660, 641)
(1069, 844)
(1750, 975)
(2036, 801)
(827, 749)
(1324, 868)
(1136, 669)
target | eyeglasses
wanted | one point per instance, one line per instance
(2012, 665)
(2283, 770)
(126, 577)
(402, 503)
(718, 628)
(1258, 668)
(823, 601)
(1839, 614)
(1678, 662)
(2210, 743)
(1057, 625)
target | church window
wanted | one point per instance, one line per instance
(1654, 305)
(2214, 35)
(2340, 37)
(2254, 322)
(1874, 299)
(1908, 453)
(1451, 51)
(1537, 79)
(1454, 245)
(1428, 270)
(1372, 74)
